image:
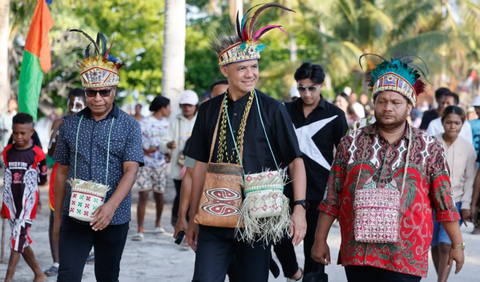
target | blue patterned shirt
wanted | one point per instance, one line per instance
(125, 146)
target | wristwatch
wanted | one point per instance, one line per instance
(303, 203)
(459, 247)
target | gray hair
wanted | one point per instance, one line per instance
(221, 42)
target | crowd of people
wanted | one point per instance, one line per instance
(252, 174)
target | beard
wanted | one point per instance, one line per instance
(391, 125)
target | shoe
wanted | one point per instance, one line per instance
(159, 230)
(90, 258)
(52, 271)
(137, 237)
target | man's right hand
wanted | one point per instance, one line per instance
(182, 225)
(192, 234)
(321, 252)
(172, 145)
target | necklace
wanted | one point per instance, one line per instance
(222, 152)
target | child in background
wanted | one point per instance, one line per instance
(25, 168)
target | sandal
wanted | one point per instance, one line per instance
(159, 230)
(137, 237)
(90, 258)
(51, 272)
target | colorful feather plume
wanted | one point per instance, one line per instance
(247, 30)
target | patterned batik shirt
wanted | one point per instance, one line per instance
(427, 187)
(24, 170)
(153, 131)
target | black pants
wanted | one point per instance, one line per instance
(215, 249)
(76, 241)
(286, 252)
(176, 201)
(374, 274)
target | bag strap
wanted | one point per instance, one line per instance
(214, 139)
(407, 161)
(240, 154)
(108, 149)
(264, 131)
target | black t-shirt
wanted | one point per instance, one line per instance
(256, 154)
(317, 135)
(428, 116)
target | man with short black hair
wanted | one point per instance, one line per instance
(430, 115)
(435, 127)
(319, 126)
(101, 146)
(218, 87)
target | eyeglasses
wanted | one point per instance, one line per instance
(311, 89)
(103, 92)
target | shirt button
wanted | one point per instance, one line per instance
(235, 114)
(234, 131)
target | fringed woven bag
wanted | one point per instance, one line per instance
(377, 210)
(87, 196)
(265, 213)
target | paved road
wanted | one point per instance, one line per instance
(157, 258)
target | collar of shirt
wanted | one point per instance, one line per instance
(373, 130)
(113, 112)
(299, 103)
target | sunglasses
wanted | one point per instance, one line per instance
(311, 89)
(103, 92)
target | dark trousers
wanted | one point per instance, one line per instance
(216, 247)
(374, 274)
(286, 252)
(176, 201)
(76, 241)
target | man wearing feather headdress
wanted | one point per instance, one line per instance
(386, 180)
(98, 149)
(242, 137)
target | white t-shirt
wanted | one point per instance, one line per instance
(153, 131)
(359, 109)
(435, 128)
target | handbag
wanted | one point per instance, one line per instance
(377, 210)
(221, 198)
(265, 212)
(87, 196)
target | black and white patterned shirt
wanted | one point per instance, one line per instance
(125, 145)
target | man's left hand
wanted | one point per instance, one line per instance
(467, 215)
(298, 228)
(103, 216)
(458, 256)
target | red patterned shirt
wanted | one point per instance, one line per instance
(427, 187)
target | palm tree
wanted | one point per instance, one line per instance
(4, 43)
(173, 67)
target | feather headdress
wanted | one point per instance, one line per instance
(99, 68)
(399, 74)
(245, 45)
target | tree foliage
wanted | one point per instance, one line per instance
(334, 34)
